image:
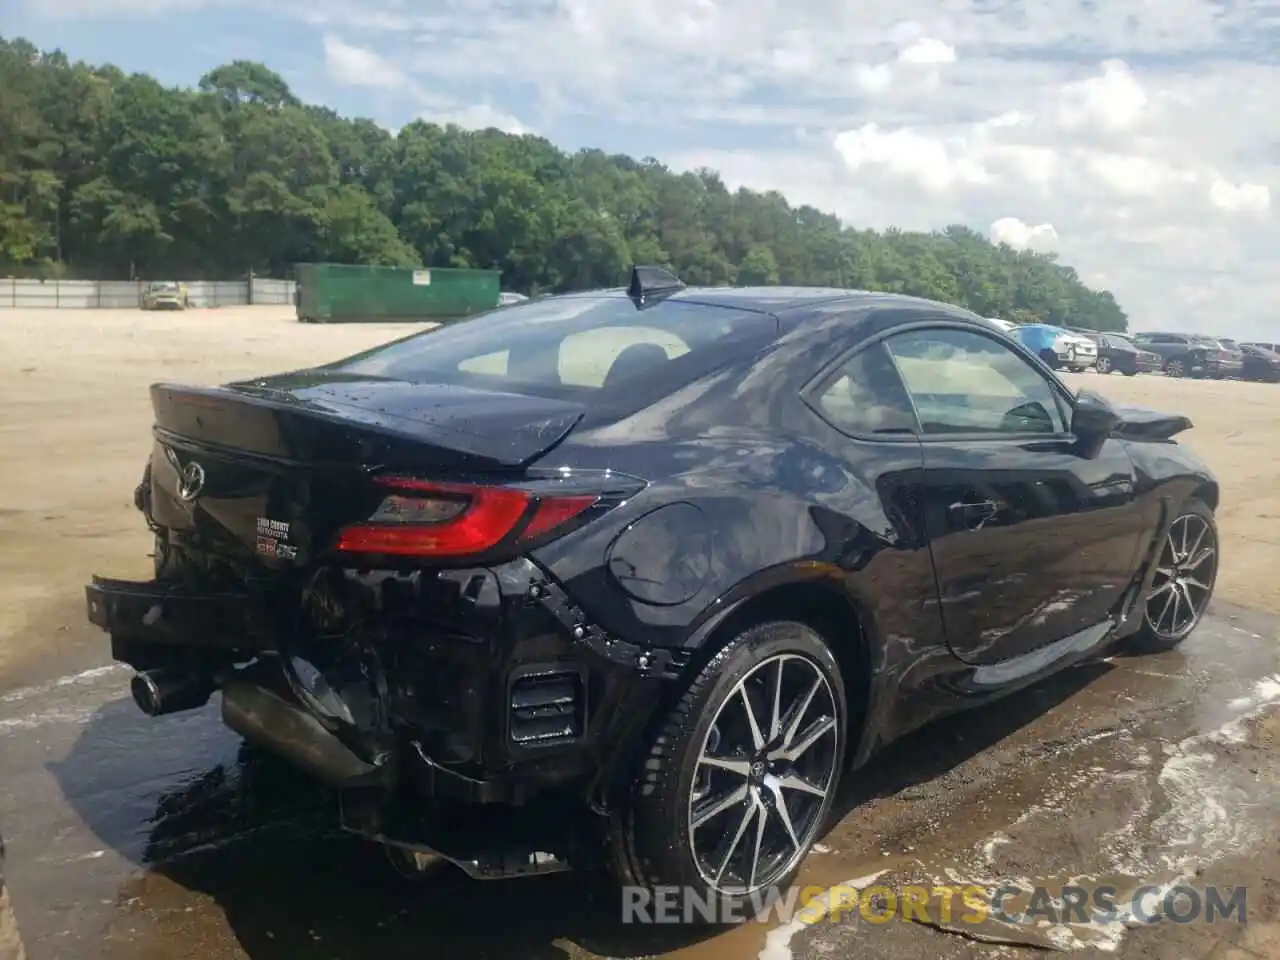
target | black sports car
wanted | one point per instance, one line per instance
(634, 576)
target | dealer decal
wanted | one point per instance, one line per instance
(273, 540)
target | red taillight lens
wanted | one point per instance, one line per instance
(424, 519)
(553, 511)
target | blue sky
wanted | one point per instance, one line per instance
(1137, 140)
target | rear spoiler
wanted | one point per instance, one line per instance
(1139, 423)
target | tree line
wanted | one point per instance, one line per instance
(113, 175)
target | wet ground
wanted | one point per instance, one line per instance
(162, 839)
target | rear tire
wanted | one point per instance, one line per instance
(1186, 573)
(1130, 373)
(738, 782)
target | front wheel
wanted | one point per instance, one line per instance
(1186, 572)
(1175, 368)
(740, 778)
(1104, 365)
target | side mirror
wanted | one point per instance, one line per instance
(1093, 421)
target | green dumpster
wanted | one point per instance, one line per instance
(342, 293)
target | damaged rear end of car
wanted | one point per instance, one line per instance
(348, 561)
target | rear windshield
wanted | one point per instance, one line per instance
(571, 346)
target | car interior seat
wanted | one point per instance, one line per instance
(634, 360)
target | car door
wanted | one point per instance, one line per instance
(1031, 542)
(865, 419)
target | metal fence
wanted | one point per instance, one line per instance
(126, 294)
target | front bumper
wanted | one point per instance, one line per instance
(1076, 356)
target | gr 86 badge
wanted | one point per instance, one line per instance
(273, 540)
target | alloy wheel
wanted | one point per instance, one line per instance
(1175, 368)
(1184, 578)
(765, 772)
(1104, 365)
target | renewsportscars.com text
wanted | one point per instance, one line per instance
(941, 904)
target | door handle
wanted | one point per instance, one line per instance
(974, 515)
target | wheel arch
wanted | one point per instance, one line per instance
(823, 605)
(1207, 492)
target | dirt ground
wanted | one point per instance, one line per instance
(75, 420)
(75, 417)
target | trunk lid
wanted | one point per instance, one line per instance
(268, 470)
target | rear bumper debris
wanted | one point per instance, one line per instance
(476, 690)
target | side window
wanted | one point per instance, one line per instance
(866, 396)
(963, 382)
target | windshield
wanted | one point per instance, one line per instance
(570, 346)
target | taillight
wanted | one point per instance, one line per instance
(425, 519)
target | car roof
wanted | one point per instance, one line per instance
(798, 306)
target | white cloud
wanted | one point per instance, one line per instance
(477, 117)
(1015, 233)
(873, 79)
(910, 156)
(359, 67)
(1113, 100)
(1240, 198)
(107, 9)
(1137, 176)
(927, 50)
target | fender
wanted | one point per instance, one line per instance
(784, 574)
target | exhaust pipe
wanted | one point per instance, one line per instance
(169, 690)
(289, 731)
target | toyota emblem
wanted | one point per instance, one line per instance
(191, 481)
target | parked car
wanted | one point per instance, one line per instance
(1230, 358)
(1273, 347)
(165, 295)
(1057, 347)
(1181, 354)
(1117, 353)
(653, 580)
(1259, 364)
